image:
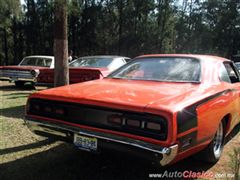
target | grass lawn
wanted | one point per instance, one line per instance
(24, 155)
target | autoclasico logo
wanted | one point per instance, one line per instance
(191, 174)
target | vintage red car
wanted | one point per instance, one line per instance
(163, 107)
(27, 70)
(86, 68)
(40, 69)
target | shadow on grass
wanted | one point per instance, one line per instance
(16, 97)
(13, 112)
(66, 162)
(25, 147)
(13, 87)
(17, 94)
(233, 133)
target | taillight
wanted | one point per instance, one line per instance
(47, 109)
(115, 119)
(143, 124)
(35, 72)
(59, 111)
(36, 107)
(133, 123)
(44, 108)
(148, 125)
(153, 126)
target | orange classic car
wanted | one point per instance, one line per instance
(163, 107)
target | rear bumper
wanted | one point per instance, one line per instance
(163, 155)
(3, 78)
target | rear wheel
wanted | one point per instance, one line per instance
(218, 142)
(214, 150)
(20, 84)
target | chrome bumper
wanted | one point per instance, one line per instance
(62, 130)
(18, 79)
(4, 78)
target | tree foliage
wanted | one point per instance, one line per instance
(122, 27)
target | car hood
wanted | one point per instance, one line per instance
(22, 67)
(121, 94)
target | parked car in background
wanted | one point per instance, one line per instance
(236, 58)
(238, 65)
(161, 107)
(27, 70)
(86, 68)
(40, 69)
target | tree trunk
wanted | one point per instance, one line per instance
(15, 41)
(21, 42)
(61, 72)
(5, 46)
(120, 9)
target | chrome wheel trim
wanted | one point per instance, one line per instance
(218, 141)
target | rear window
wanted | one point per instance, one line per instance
(91, 62)
(44, 62)
(176, 69)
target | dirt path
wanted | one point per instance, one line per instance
(24, 155)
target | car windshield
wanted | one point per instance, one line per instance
(91, 62)
(173, 69)
(44, 62)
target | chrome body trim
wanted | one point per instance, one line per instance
(168, 153)
(4, 78)
(17, 75)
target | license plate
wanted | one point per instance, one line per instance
(85, 143)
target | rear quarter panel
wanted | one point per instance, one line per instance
(212, 112)
(76, 75)
(46, 76)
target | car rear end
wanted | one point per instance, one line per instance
(94, 128)
(86, 74)
(18, 74)
(76, 75)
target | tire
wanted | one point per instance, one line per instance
(32, 85)
(213, 151)
(20, 84)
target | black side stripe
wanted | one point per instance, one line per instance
(187, 118)
(187, 141)
(190, 140)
